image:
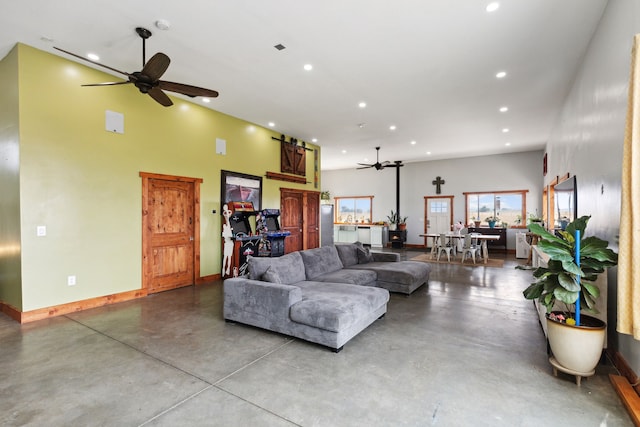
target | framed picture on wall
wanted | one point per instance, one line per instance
(240, 187)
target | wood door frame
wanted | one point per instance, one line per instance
(426, 211)
(146, 246)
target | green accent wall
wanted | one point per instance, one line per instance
(10, 289)
(82, 182)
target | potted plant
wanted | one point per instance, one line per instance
(402, 223)
(576, 340)
(534, 219)
(393, 220)
(491, 220)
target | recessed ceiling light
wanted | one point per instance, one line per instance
(362, 105)
(206, 100)
(505, 130)
(163, 24)
(271, 124)
(365, 159)
(392, 127)
(413, 143)
(361, 125)
(428, 153)
(308, 67)
(501, 74)
(344, 151)
(508, 144)
(93, 57)
(504, 109)
(493, 6)
(314, 140)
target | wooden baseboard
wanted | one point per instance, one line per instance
(628, 395)
(207, 279)
(72, 307)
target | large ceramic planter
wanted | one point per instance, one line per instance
(577, 348)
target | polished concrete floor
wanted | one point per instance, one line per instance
(466, 350)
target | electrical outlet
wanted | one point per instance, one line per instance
(71, 280)
(41, 230)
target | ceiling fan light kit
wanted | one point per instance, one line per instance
(148, 79)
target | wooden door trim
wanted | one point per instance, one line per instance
(426, 211)
(146, 247)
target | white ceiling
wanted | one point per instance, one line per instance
(426, 66)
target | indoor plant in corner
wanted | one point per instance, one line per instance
(567, 281)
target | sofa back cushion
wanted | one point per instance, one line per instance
(320, 261)
(288, 269)
(348, 253)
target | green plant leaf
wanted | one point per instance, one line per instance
(533, 291)
(568, 282)
(570, 267)
(565, 296)
(590, 289)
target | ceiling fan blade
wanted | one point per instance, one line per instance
(365, 167)
(156, 66)
(108, 83)
(161, 97)
(187, 89)
(93, 62)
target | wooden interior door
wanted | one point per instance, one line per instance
(291, 219)
(170, 226)
(311, 221)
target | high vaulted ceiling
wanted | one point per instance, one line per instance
(427, 67)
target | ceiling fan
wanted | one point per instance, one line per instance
(148, 79)
(378, 165)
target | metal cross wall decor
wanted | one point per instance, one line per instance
(438, 183)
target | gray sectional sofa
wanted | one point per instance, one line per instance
(325, 295)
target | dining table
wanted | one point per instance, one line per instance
(481, 239)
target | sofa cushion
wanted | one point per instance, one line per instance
(402, 272)
(335, 306)
(364, 256)
(271, 276)
(289, 268)
(321, 261)
(348, 253)
(351, 276)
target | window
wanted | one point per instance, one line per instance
(439, 207)
(508, 206)
(351, 210)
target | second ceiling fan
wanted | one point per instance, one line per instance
(378, 165)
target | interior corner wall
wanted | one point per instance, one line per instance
(10, 276)
(587, 140)
(504, 172)
(82, 182)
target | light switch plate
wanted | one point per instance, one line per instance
(41, 230)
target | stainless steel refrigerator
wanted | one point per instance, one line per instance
(326, 225)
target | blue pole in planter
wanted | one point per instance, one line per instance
(578, 277)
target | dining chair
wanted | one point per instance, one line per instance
(469, 248)
(444, 245)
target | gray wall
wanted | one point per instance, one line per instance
(588, 138)
(517, 171)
